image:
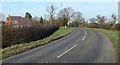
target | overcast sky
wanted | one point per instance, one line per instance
(88, 9)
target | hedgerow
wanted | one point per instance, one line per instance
(12, 36)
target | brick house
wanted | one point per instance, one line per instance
(18, 21)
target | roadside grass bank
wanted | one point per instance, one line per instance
(19, 48)
(114, 37)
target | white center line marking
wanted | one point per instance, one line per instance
(67, 51)
(46, 62)
(86, 33)
(84, 38)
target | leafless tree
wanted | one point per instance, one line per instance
(51, 10)
(98, 19)
(77, 16)
(113, 20)
(92, 20)
(65, 14)
(101, 20)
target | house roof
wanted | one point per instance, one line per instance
(26, 20)
(21, 20)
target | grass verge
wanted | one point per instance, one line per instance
(114, 37)
(19, 48)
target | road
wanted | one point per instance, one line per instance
(81, 46)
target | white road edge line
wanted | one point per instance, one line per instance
(66, 51)
(84, 38)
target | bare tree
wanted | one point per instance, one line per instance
(77, 16)
(98, 19)
(113, 21)
(83, 22)
(65, 14)
(101, 20)
(92, 20)
(51, 10)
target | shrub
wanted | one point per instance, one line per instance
(117, 27)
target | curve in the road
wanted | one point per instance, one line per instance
(81, 46)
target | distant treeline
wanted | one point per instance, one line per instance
(104, 26)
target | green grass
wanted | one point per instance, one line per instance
(19, 48)
(113, 36)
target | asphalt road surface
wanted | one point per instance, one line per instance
(81, 46)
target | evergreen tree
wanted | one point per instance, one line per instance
(41, 20)
(28, 15)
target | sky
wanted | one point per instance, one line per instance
(88, 9)
(59, 0)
